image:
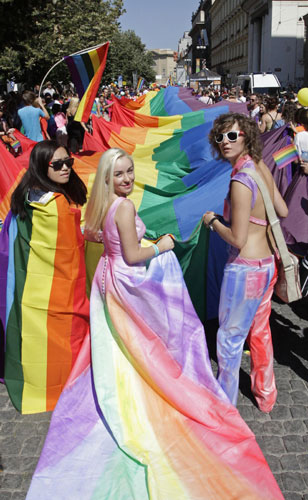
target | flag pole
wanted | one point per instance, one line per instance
(61, 60)
(48, 74)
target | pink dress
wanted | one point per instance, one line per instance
(151, 421)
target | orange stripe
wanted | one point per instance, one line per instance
(5, 203)
(61, 304)
(117, 141)
(80, 322)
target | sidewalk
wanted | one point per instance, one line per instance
(282, 434)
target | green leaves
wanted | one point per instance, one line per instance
(35, 34)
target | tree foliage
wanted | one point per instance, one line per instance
(35, 34)
(127, 56)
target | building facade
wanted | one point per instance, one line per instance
(183, 66)
(229, 39)
(276, 41)
(165, 65)
(259, 36)
(199, 33)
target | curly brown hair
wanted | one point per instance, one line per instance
(253, 144)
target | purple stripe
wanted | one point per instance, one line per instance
(73, 419)
(4, 260)
(195, 105)
(75, 75)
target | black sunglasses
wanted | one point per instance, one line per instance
(58, 164)
(232, 136)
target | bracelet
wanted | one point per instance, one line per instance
(156, 250)
(210, 224)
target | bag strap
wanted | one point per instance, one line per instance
(272, 217)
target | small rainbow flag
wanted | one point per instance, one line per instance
(140, 84)
(285, 156)
(86, 69)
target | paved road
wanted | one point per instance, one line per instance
(282, 434)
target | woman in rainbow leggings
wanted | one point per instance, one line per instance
(250, 273)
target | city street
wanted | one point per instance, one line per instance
(282, 434)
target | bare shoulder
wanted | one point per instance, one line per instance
(126, 210)
(263, 169)
(266, 174)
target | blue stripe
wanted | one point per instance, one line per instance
(11, 268)
(82, 70)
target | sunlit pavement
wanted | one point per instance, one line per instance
(282, 434)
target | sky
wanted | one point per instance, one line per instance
(159, 23)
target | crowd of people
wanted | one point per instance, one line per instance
(131, 279)
(51, 114)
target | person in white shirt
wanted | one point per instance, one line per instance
(205, 98)
(254, 107)
(49, 89)
(241, 96)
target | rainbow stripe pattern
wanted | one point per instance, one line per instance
(86, 69)
(140, 84)
(177, 179)
(44, 326)
(285, 156)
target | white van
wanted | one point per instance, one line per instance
(259, 83)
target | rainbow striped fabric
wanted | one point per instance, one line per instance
(177, 179)
(44, 309)
(285, 156)
(86, 69)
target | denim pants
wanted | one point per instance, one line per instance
(244, 311)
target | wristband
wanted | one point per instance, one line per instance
(156, 250)
(210, 224)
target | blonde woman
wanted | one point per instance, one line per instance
(75, 130)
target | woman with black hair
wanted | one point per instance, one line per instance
(50, 171)
(44, 308)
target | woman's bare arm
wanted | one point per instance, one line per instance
(279, 203)
(262, 125)
(133, 253)
(237, 234)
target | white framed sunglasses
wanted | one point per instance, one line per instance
(232, 136)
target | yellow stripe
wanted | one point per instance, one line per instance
(145, 166)
(95, 60)
(35, 307)
(139, 439)
(146, 108)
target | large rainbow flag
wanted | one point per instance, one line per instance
(177, 178)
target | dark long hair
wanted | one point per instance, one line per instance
(36, 176)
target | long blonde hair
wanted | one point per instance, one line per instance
(72, 107)
(103, 190)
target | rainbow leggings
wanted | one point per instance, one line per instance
(244, 311)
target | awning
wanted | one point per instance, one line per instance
(205, 74)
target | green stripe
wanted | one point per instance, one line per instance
(193, 256)
(13, 364)
(167, 151)
(157, 104)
